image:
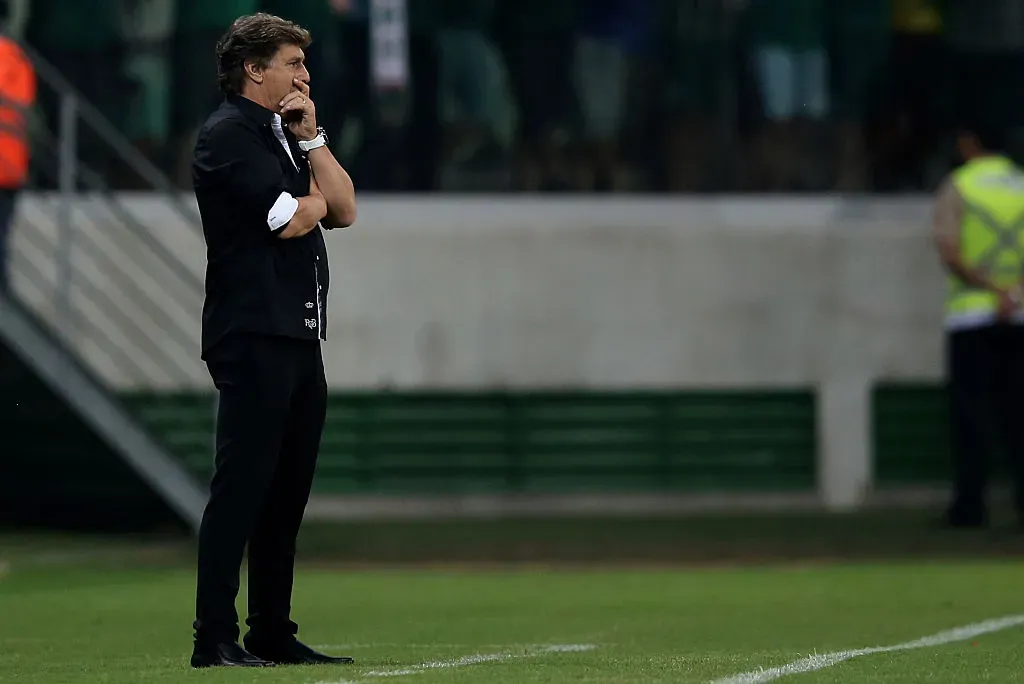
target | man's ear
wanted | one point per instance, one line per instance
(253, 72)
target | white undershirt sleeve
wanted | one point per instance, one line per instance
(282, 211)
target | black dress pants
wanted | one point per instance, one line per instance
(985, 370)
(273, 401)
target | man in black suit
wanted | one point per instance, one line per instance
(266, 184)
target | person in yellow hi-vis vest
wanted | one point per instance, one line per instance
(979, 230)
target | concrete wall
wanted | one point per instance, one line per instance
(523, 293)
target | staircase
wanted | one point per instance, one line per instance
(100, 301)
(72, 456)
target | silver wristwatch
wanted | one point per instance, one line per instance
(319, 141)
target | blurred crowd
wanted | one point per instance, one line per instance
(573, 95)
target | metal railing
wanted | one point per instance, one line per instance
(88, 265)
(74, 106)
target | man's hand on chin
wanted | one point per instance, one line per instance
(299, 111)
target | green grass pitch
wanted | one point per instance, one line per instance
(87, 611)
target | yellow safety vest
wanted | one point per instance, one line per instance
(992, 232)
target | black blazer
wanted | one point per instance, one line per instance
(255, 281)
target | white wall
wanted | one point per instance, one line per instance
(582, 293)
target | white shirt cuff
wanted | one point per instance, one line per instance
(282, 211)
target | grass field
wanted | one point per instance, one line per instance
(87, 610)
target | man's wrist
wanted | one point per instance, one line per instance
(1016, 293)
(318, 140)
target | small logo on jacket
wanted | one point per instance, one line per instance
(310, 305)
(311, 323)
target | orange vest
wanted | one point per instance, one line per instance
(17, 95)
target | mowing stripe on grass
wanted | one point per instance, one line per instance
(475, 659)
(820, 662)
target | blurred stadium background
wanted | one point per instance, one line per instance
(540, 310)
(632, 280)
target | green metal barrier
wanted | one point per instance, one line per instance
(420, 443)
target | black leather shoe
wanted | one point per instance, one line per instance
(225, 654)
(292, 652)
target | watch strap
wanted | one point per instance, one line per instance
(318, 141)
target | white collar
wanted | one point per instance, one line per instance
(277, 125)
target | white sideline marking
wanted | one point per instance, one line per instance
(480, 658)
(820, 662)
(443, 664)
(474, 659)
(400, 644)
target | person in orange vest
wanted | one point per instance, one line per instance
(17, 96)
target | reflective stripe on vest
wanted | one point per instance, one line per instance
(993, 193)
